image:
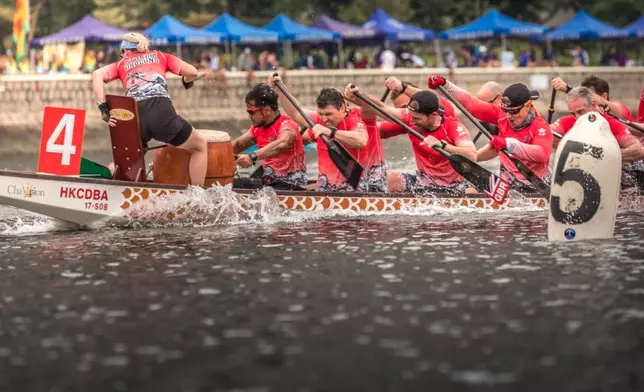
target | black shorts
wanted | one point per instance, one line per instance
(159, 121)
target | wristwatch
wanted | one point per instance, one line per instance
(404, 87)
(332, 135)
(443, 144)
(568, 88)
(253, 156)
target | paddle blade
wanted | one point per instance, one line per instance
(485, 181)
(258, 173)
(532, 178)
(93, 170)
(345, 162)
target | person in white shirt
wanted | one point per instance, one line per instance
(387, 60)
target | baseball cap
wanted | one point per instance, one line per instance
(518, 94)
(423, 102)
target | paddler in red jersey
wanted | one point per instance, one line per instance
(334, 120)
(425, 115)
(143, 75)
(581, 101)
(640, 110)
(278, 138)
(601, 94)
(522, 131)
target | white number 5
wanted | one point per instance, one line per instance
(67, 149)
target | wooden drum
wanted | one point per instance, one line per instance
(221, 159)
(172, 165)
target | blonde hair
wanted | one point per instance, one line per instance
(142, 43)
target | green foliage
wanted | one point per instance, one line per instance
(435, 14)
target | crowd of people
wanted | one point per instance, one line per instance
(386, 57)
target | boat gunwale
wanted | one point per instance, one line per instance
(306, 193)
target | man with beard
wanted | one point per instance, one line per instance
(278, 140)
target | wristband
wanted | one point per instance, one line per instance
(443, 144)
(404, 87)
(568, 88)
(332, 135)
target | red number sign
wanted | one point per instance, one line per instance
(61, 141)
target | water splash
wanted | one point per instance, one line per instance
(30, 224)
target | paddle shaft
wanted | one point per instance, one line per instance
(385, 95)
(625, 122)
(551, 108)
(396, 120)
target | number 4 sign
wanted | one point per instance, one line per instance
(61, 141)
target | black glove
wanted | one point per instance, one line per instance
(187, 85)
(105, 111)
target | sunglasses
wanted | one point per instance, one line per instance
(253, 110)
(495, 98)
(513, 110)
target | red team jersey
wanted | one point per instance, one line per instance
(532, 145)
(565, 124)
(640, 110)
(143, 73)
(372, 157)
(431, 165)
(329, 177)
(624, 112)
(289, 166)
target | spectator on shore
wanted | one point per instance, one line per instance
(580, 57)
(507, 59)
(387, 60)
(450, 58)
(215, 60)
(466, 53)
(89, 62)
(246, 60)
(525, 60)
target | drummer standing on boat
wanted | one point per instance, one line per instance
(278, 140)
(143, 75)
(333, 120)
(522, 130)
(425, 115)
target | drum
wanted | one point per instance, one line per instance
(221, 160)
(172, 165)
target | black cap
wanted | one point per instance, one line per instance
(423, 102)
(518, 94)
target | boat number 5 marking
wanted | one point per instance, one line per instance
(67, 149)
(590, 186)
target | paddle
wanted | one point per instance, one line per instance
(385, 95)
(523, 169)
(551, 108)
(480, 177)
(624, 121)
(343, 160)
(91, 169)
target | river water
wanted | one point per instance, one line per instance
(253, 299)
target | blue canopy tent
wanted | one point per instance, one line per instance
(493, 24)
(237, 31)
(289, 31)
(637, 27)
(394, 30)
(584, 27)
(168, 31)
